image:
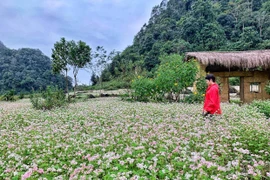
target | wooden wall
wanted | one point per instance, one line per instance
(246, 78)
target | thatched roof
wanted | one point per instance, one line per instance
(241, 59)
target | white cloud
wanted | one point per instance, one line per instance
(39, 24)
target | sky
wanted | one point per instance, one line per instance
(39, 24)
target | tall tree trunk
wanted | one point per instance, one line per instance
(67, 83)
(75, 73)
(75, 84)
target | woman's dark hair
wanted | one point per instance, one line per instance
(210, 76)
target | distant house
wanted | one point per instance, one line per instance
(253, 68)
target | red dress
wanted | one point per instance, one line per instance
(212, 100)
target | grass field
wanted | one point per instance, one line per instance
(105, 138)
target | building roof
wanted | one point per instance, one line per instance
(240, 59)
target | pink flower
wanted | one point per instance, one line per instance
(234, 176)
(250, 171)
(27, 175)
(40, 171)
(8, 170)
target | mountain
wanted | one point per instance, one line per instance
(25, 70)
(179, 26)
(2, 46)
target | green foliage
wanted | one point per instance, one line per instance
(194, 98)
(143, 89)
(198, 95)
(9, 96)
(201, 85)
(79, 55)
(60, 56)
(21, 95)
(267, 87)
(236, 101)
(262, 106)
(234, 81)
(69, 53)
(173, 76)
(178, 26)
(25, 70)
(94, 79)
(48, 99)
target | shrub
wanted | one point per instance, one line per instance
(194, 98)
(262, 107)
(143, 89)
(201, 85)
(50, 98)
(9, 96)
(21, 96)
(112, 85)
(174, 75)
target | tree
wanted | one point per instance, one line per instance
(60, 58)
(79, 57)
(212, 36)
(101, 60)
(94, 79)
(250, 38)
(174, 75)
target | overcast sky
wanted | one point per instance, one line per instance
(39, 24)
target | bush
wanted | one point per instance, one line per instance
(21, 96)
(143, 89)
(50, 98)
(112, 85)
(194, 98)
(262, 107)
(9, 96)
(174, 75)
(201, 85)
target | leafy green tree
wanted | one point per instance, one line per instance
(174, 75)
(79, 57)
(212, 37)
(249, 39)
(60, 58)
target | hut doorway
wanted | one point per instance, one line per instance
(235, 89)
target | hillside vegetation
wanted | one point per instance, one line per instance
(179, 26)
(25, 70)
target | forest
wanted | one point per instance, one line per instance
(179, 26)
(25, 70)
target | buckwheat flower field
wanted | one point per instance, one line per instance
(107, 138)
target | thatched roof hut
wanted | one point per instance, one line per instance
(252, 67)
(240, 59)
